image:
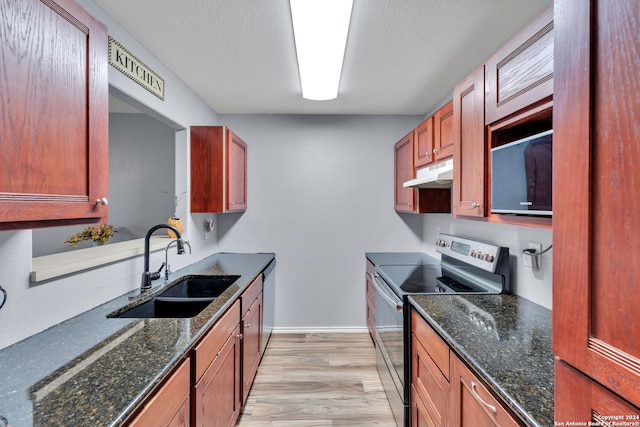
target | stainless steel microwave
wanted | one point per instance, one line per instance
(521, 176)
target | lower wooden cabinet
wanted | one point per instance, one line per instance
(169, 406)
(472, 404)
(251, 325)
(444, 391)
(216, 390)
(216, 397)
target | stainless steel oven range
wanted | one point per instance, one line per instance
(467, 266)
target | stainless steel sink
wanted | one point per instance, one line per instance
(186, 298)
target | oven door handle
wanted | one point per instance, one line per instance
(383, 292)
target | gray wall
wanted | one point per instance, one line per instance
(320, 196)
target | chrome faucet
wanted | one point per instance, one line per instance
(167, 269)
(147, 276)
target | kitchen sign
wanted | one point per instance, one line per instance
(124, 61)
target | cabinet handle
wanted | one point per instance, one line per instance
(240, 336)
(479, 399)
(103, 201)
(247, 326)
(233, 203)
(435, 151)
(427, 154)
(470, 202)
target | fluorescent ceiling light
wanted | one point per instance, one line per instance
(320, 28)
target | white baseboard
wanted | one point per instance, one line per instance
(310, 330)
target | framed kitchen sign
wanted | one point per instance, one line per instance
(129, 65)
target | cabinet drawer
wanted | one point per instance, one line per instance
(474, 404)
(250, 294)
(212, 343)
(435, 346)
(167, 406)
(521, 73)
(430, 384)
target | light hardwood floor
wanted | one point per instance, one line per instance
(317, 380)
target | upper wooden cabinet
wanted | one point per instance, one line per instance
(520, 74)
(596, 199)
(409, 199)
(433, 138)
(218, 170)
(405, 198)
(469, 148)
(443, 132)
(423, 143)
(54, 115)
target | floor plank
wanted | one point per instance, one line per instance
(317, 380)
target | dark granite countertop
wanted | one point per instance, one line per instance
(93, 371)
(513, 357)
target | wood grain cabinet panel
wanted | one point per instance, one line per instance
(405, 198)
(251, 324)
(423, 143)
(443, 132)
(520, 74)
(474, 405)
(218, 170)
(54, 115)
(370, 295)
(169, 406)
(596, 196)
(469, 148)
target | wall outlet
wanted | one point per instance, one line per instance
(531, 257)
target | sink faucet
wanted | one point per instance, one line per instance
(167, 269)
(147, 276)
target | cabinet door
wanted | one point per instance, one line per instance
(596, 196)
(218, 170)
(251, 333)
(419, 415)
(473, 405)
(217, 394)
(578, 398)
(405, 198)
(520, 74)
(170, 404)
(54, 115)
(469, 149)
(237, 173)
(443, 132)
(423, 143)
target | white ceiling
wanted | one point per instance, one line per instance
(402, 56)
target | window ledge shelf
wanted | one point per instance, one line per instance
(57, 265)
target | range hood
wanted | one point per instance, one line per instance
(439, 175)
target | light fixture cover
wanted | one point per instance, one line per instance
(320, 29)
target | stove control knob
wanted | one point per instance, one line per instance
(480, 255)
(488, 257)
(441, 243)
(474, 253)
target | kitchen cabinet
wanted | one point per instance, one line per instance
(473, 405)
(520, 74)
(54, 110)
(430, 372)
(433, 138)
(251, 324)
(217, 389)
(218, 170)
(169, 406)
(409, 199)
(444, 391)
(596, 263)
(423, 143)
(469, 148)
(443, 132)
(370, 296)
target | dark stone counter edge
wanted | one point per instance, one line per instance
(521, 412)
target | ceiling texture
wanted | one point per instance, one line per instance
(402, 56)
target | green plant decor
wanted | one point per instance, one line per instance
(95, 233)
